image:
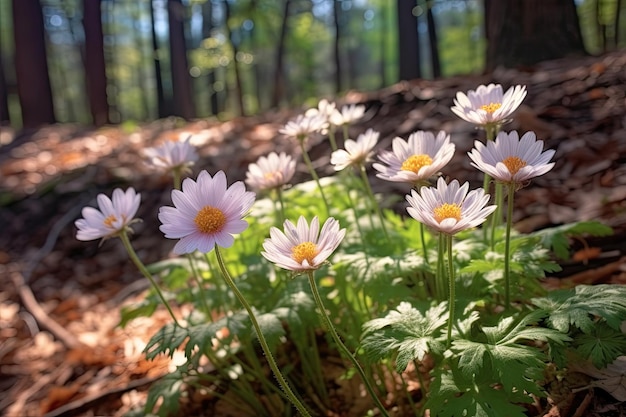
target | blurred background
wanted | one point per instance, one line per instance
(96, 62)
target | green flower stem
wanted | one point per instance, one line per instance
(356, 220)
(370, 194)
(281, 213)
(440, 282)
(309, 165)
(266, 349)
(345, 127)
(331, 138)
(451, 284)
(507, 246)
(176, 173)
(142, 268)
(496, 218)
(423, 240)
(491, 130)
(329, 325)
(198, 279)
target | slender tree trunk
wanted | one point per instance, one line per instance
(254, 46)
(522, 33)
(618, 11)
(238, 83)
(383, 45)
(95, 71)
(31, 65)
(162, 103)
(181, 81)
(337, 55)
(5, 118)
(432, 40)
(408, 40)
(279, 78)
(207, 27)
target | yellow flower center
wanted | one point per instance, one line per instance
(273, 176)
(210, 219)
(304, 250)
(447, 211)
(514, 164)
(108, 222)
(491, 107)
(415, 162)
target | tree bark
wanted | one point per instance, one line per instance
(95, 71)
(279, 78)
(238, 83)
(432, 40)
(523, 33)
(5, 117)
(31, 64)
(337, 55)
(408, 41)
(181, 81)
(162, 103)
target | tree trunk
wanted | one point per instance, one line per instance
(523, 33)
(383, 45)
(207, 27)
(238, 83)
(408, 40)
(5, 118)
(432, 40)
(337, 55)
(279, 81)
(181, 81)
(162, 103)
(618, 11)
(95, 72)
(31, 65)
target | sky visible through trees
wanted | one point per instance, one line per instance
(232, 51)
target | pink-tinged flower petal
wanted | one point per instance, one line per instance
(527, 150)
(231, 204)
(113, 216)
(279, 247)
(473, 210)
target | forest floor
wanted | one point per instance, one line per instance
(61, 352)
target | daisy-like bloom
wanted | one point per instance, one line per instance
(304, 126)
(356, 152)
(114, 216)
(348, 114)
(172, 155)
(417, 159)
(487, 105)
(206, 213)
(449, 208)
(271, 172)
(510, 159)
(303, 248)
(324, 108)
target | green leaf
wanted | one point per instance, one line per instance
(583, 306)
(406, 330)
(169, 338)
(602, 345)
(557, 238)
(169, 388)
(144, 309)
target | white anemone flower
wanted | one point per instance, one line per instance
(172, 155)
(303, 248)
(271, 172)
(304, 126)
(206, 213)
(114, 216)
(449, 208)
(348, 114)
(324, 108)
(487, 105)
(356, 152)
(417, 159)
(510, 159)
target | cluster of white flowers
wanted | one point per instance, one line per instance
(207, 212)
